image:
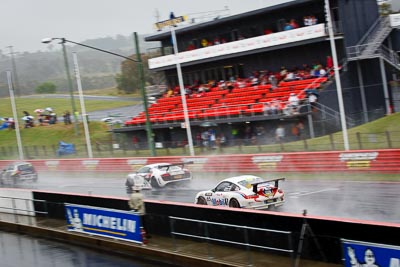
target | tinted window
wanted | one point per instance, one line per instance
(25, 167)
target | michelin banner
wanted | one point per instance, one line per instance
(116, 224)
(362, 254)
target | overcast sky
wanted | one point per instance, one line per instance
(24, 23)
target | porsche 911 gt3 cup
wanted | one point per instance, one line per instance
(159, 175)
(245, 191)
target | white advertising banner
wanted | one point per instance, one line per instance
(279, 38)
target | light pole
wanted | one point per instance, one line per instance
(337, 77)
(16, 120)
(183, 95)
(83, 109)
(71, 90)
(14, 71)
(143, 91)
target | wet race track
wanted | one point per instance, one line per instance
(342, 198)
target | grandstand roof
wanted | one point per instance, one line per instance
(163, 34)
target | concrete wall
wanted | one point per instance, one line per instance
(327, 231)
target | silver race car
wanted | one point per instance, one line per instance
(159, 175)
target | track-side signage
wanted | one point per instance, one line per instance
(358, 253)
(116, 224)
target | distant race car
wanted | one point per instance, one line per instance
(17, 172)
(245, 191)
(159, 175)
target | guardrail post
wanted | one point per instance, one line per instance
(171, 223)
(305, 144)
(29, 212)
(210, 255)
(44, 148)
(246, 238)
(14, 210)
(389, 140)
(358, 135)
(332, 142)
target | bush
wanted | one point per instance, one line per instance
(46, 88)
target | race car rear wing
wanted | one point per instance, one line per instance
(276, 183)
(182, 164)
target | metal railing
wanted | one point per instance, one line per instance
(242, 236)
(21, 210)
(264, 143)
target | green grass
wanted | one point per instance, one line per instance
(58, 104)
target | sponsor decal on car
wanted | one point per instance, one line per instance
(219, 201)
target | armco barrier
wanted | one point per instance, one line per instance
(387, 160)
(325, 242)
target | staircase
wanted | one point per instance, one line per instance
(370, 46)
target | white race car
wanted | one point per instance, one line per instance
(245, 191)
(159, 175)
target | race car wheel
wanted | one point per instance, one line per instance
(154, 182)
(201, 201)
(234, 203)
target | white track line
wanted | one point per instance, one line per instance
(296, 195)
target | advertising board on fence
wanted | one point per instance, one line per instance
(358, 253)
(116, 224)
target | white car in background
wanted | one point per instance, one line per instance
(245, 191)
(159, 175)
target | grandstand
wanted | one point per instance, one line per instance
(236, 49)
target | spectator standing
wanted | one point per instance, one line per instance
(136, 203)
(67, 117)
(293, 102)
(280, 133)
(135, 141)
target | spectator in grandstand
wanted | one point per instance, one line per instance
(216, 41)
(268, 31)
(273, 81)
(254, 81)
(306, 21)
(329, 62)
(293, 24)
(283, 72)
(293, 103)
(312, 99)
(191, 46)
(169, 92)
(274, 106)
(322, 71)
(222, 85)
(267, 108)
(230, 85)
(314, 20)
(287, 27)
(290, 76)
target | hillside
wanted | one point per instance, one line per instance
(97, 69)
